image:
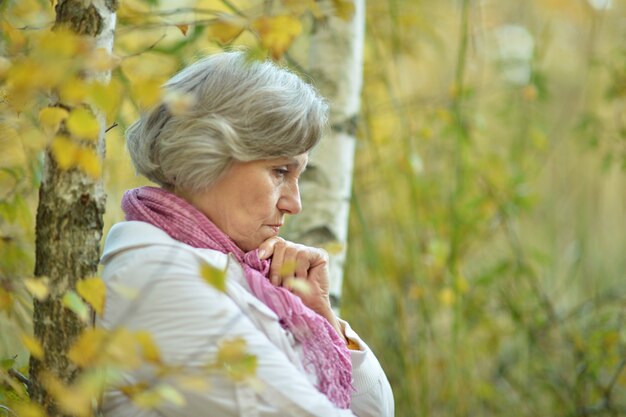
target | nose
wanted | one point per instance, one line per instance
(289, 201)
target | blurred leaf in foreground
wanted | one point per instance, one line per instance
(93, 290)
(87, 348)
(72, 301)
(33, 345)
(277, 33)
(213, 276)
(233, 357)
(38, 287)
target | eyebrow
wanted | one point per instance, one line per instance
(294, 163)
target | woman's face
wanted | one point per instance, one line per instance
(251, 199)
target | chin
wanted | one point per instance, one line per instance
(249, 245)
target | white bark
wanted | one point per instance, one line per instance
(336, 66)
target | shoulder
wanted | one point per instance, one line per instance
(135, 241)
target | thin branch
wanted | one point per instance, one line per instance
(233, 8)
(154, 25)
(145, 49)
(111, 127)
(19, 376)
(8, 410)
(172, 12)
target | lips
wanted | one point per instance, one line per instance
(275, 227)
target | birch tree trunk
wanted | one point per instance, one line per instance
(69, 220)
(336, 65)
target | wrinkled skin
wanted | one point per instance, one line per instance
(249, 203)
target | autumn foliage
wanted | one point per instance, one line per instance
(485, 264)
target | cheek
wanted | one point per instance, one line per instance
(259, 204)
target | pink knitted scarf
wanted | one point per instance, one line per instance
(325, 351)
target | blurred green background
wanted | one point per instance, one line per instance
(486, 259)
(487, 251)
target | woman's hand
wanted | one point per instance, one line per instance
(304, 271)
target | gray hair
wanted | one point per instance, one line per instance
(242, 111)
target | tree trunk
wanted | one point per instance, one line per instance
(69, 221)
(336, 65)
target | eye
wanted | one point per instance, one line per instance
(281, 171)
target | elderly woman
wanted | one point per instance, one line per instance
(228, 172)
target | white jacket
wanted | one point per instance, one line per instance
(188, 318)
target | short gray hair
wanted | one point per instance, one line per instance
(244, 110)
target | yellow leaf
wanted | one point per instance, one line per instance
(61, 43)
(127, 292)
(122, 349)
(96, 379)
(6, 300)
(32, 138)
(147, 92)
(183, 29)
(72, 301)
(106, 97)
(530, 92)
(148, 347)
(88, 347)
(299, 7)
(51, 118)
(71, 400)
(73, 91)
(148, 399)
(610, 339)
(93, 290)
(134, 13)
(12, 150)
(231, 350)
(133, 389)
(83, 124)
(89, 163)
(64, 151)
(179, 103)
(334, 248)
(226, 28)
(299, 286)
(232, 357)
(15, 37)
(5, 64)
(148, 67)
(288, 269)
(24, 10)
(447, 297)
(33, 346)
(277, 32)
(344, 9)
(213, 276)
(171, 394)
(30, 409)
(38, 287)
(102, 60)
(26, 76)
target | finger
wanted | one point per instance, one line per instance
(302, 265)
(266, 249)
(290, 259)
(288, 268)
(278, 255)
(317, 257)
